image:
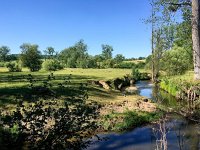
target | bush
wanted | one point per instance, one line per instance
(135, 73)
(52, 65)
(125, 65)
(109, 63)
(14, 67)
(141, 65)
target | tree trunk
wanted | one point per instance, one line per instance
(152, 42)
(196, 38)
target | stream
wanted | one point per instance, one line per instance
(176, 133)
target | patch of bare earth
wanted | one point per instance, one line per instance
(142, 104)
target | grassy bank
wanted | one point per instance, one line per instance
(187, 92)
(174, 84)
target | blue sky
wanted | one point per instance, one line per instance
(61, 23)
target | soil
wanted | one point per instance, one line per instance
(142, 104)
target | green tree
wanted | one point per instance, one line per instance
(75, 56)
(108, 63)
(50, 52)
(193, 6)
(4, 51)
(98, 59)
(119, 58)
(175, 61)
(31, 56)
(107, 52)
(92, 63)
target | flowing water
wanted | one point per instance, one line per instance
(176, 133)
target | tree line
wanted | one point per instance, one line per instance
(75, 56)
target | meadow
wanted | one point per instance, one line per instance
(16, 84)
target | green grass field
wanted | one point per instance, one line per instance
(16, 79)
(14, 84)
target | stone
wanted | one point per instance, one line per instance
(145, 100)
(130, 90)
(104, 84)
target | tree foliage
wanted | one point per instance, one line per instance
(107, 52)
(175, 61)
(4, 51)
(49, 52)
(119, 58)
(75, 56)
(31, 56)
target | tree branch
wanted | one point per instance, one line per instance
(180, 4)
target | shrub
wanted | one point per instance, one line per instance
(14, 67)
(125, 65)
(109, 63)
(141, 65)
(52, 65)
(135, 73)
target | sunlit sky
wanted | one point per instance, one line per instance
(61, 23)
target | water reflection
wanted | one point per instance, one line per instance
(175, 134)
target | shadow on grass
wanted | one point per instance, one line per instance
(100, 92)
(5, 77)
(63, 85)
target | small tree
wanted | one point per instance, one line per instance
(119, 58)
(107, 51)
(75, 56)
(4, 51)
(50, 52)
(31, 57)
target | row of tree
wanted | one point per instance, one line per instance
(75, 56)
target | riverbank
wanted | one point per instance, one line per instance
(187, 91)
(128, 114)
(176, 132)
